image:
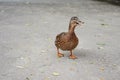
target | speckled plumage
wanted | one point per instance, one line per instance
(66, 41)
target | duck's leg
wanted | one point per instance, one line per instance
(59, 54)
(72, 56)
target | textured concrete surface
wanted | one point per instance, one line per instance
(27, 34)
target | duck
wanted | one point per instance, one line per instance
(68, 41)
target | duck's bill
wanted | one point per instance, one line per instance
(80, 22)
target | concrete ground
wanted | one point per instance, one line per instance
(27, 34)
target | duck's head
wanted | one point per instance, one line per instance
(75, 21)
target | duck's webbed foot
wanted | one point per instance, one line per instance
(59, 54)
(72, 56)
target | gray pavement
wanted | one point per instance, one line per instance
(27, 34)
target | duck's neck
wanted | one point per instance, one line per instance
(71, 29)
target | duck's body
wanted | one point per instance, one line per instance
(68, 41)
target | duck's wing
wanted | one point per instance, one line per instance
(60, 38)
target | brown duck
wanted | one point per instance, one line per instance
(68, 41)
